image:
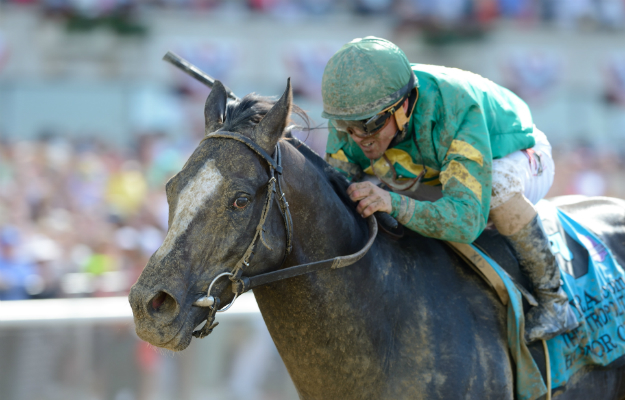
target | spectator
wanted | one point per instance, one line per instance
(17, 276)
(89, 217)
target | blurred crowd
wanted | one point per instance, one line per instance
(589, 171)
(124, 15)
(82, 219)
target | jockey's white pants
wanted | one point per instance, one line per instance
(519, 173)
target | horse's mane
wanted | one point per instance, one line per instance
(242, 115)
(338, 181)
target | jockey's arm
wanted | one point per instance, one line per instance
(466, 177)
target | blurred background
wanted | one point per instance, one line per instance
(93, 123)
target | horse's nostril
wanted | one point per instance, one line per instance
(158, 300)
(163, 305)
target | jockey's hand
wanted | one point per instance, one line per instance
(371, 197)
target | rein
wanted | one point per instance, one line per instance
(241, 284)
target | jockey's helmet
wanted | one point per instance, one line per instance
(365, 82)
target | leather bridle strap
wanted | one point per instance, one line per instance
(333, 263)
(274, 166)
(241, 284)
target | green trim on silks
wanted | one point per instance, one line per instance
(363, 78)
(461, 122)
(395, 203)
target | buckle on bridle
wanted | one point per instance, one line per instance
(239, 284)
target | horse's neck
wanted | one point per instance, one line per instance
(377, 324)
(324, 227)
(328, 311)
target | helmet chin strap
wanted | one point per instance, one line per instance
(402, 119)
(400, 115)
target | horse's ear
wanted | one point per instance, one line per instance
(215, 108)
(270, 128)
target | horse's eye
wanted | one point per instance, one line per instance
(241, 202)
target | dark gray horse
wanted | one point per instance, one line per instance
(409, 321)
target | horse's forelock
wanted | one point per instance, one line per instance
(242, 115)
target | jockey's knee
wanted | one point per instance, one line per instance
(529, 172)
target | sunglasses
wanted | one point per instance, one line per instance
(366, 127)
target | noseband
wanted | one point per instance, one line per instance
(241, 284)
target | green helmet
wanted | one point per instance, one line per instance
(363, 78)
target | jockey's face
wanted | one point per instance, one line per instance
(374, 146)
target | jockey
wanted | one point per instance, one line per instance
(409, 123)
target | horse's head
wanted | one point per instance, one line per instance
(215, 204)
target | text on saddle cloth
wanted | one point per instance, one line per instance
(595, 285)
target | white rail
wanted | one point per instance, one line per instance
(89, 311)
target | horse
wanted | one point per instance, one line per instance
(409, 320)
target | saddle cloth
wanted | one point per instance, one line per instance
(595, 285)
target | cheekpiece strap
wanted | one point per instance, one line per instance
(241, 284)
(284, 206)
(274, 167)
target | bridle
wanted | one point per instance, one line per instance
(241, 284)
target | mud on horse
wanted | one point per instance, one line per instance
(409, 320)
